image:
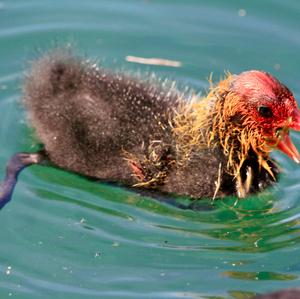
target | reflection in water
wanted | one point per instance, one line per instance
(233, 295)
(251, 225)
(241, 294)
(259, 275)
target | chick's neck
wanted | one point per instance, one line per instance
(220, 120)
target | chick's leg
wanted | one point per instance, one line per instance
(14, 166)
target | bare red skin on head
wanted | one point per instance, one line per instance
(249, 92)
(257, 88)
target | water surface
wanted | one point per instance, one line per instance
(67, 237)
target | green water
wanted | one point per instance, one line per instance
(65, 237)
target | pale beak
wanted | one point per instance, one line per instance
(285, 143)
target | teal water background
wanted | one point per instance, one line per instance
(65, 237)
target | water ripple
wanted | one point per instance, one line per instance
(66, 236)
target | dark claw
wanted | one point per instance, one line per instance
(14, 166)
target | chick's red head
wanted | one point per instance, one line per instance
(269, 107)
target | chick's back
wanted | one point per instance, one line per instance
(87, 117)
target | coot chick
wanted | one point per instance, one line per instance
(122, 129)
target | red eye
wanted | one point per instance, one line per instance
(265, 111)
